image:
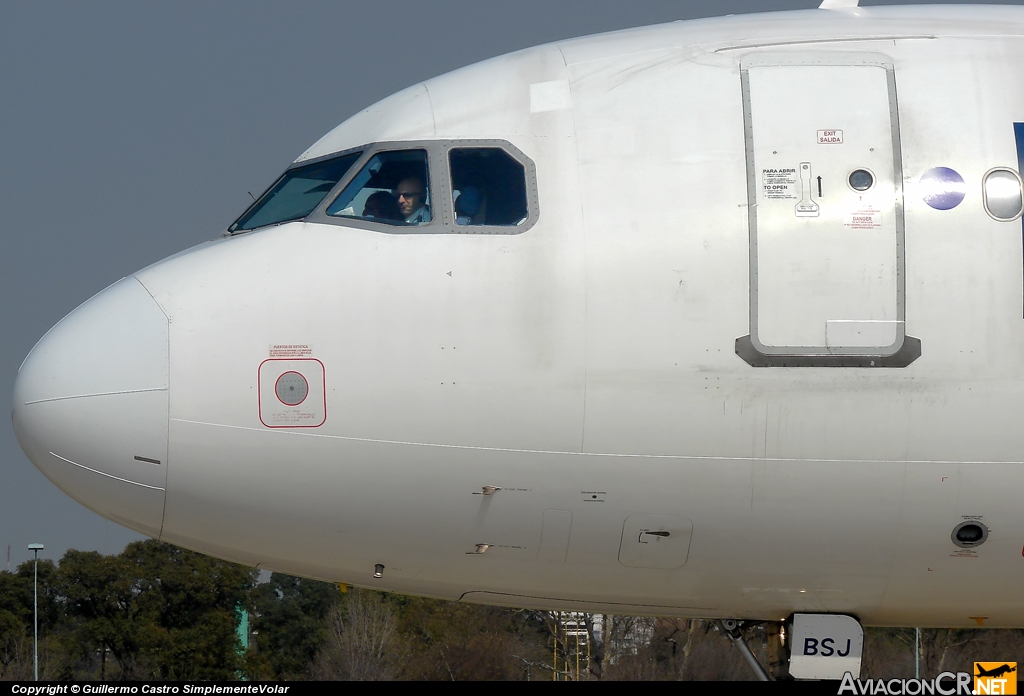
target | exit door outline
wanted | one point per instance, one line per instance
(904, 349)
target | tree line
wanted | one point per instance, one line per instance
(159, 612)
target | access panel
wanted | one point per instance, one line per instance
(655, 541)
(824, 185)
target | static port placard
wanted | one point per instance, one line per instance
(292, 393)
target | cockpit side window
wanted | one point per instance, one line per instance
(488, 187)
(480, 186)
(392, 188)
(295, 194)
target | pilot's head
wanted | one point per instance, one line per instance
(382, 205)
(411, 195)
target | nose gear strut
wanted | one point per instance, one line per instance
(732, 630)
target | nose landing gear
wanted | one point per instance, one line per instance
(733, 631)
(807, 646)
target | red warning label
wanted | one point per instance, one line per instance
(290, 350)
(863, 219)
(779, 183)
(830, 137)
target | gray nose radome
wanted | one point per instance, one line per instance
(90, 406)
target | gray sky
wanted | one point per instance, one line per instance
(130, 131)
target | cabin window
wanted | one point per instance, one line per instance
(295, 194)
(488, 187)
(1002, 194)
(392, 188)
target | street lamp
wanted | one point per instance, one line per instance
(35, 549)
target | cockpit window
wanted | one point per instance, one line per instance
(475, 187)
(393, 188)
(488, 187)
(296, 193)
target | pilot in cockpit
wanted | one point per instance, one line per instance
(469, 207)
(411, 195)
(382, 206)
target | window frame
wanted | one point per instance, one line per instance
(984, 193)
(372, 151)
(451, 189)
(356, 166)
(440, 185)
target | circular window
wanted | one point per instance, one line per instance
(942, 188)
(861, 180)
(291, 388)
(967, 535)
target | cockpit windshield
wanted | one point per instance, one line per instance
(392, 188)
(295, 194)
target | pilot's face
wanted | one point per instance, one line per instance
(410, 195)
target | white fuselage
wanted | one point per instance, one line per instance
(588, 367)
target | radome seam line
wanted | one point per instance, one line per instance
(83, 396)
(116, 478)
(479, 448)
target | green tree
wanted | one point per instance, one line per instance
(15, 626)
(290, 622)
(16, 598)
(193, 599)
(159, 611)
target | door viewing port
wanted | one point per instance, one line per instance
(967, 535)
(861, 180)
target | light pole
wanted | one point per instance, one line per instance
(35, 549)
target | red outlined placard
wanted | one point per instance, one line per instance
(290, 375)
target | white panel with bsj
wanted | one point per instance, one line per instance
(825, 646)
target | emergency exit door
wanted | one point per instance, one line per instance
(825, 202)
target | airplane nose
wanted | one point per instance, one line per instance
(91, 405)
